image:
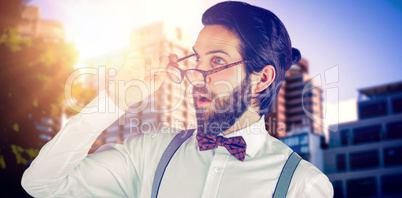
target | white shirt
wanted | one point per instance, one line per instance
(63, 168)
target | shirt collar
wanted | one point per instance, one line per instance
(254, 135)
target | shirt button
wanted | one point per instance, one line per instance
(217, 170)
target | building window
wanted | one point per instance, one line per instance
(345, 137)
(298, 88)
(310, 94)
(298, 96)
(304, 139)
(363, 187)
(372, 109)
(393, 156)
(366, 134)
(295, 113)
(341, 162)
(394, 130)
(364, 160)
(397, 105)
(304, 150)
(294, 105)
(294, 80)
(391, 184)
(291, 141)
(338, 189)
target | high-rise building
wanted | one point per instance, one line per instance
(299, 98)
(364, 158)
(168, 106)
(33, 26)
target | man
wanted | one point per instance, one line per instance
(242, 55)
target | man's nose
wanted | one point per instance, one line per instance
(204, 66)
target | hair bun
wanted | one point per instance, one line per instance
(296, 56)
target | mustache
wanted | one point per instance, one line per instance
(203, 90)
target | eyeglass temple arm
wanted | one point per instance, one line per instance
(186, 57)
(183, 58)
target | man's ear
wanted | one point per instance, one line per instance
(264, 78)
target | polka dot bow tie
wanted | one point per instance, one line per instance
(235, 145)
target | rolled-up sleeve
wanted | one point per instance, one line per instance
(319, 187)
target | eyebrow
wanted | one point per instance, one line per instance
(214, 52)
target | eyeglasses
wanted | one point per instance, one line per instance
(195, 76)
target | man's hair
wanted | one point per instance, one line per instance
(263, 41)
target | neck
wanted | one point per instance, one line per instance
(248, 118)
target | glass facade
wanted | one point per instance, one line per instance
(298, 143)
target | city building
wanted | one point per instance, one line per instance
(290, 120)
(33, 26)
(299, 98)
(364, 157)
(307, 144)
(167, 107)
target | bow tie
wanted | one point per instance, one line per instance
(235, 145)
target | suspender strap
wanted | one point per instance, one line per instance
(283, 183)
(165, 159)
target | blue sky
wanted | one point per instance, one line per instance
(362, 37)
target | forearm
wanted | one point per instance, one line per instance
(69, 147)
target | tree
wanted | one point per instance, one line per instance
(32, 77)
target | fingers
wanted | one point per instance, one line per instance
(173, 60)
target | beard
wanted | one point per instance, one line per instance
(224, 111)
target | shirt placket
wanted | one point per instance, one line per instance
(215, 172)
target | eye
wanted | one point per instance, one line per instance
(218, 61)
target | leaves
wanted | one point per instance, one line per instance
(2, 162)
(16, 127)
(12, 39)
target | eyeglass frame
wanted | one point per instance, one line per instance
(204, 73)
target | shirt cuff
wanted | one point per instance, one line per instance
(101, 112)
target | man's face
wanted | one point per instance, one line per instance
(226, 95)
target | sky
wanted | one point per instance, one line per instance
(361, 39)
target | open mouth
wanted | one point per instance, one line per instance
(203, 100)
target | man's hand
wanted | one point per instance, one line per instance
(138, 79)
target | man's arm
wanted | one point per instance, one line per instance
(55, 171)
(62, 166)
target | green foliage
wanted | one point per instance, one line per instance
(32, 77)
